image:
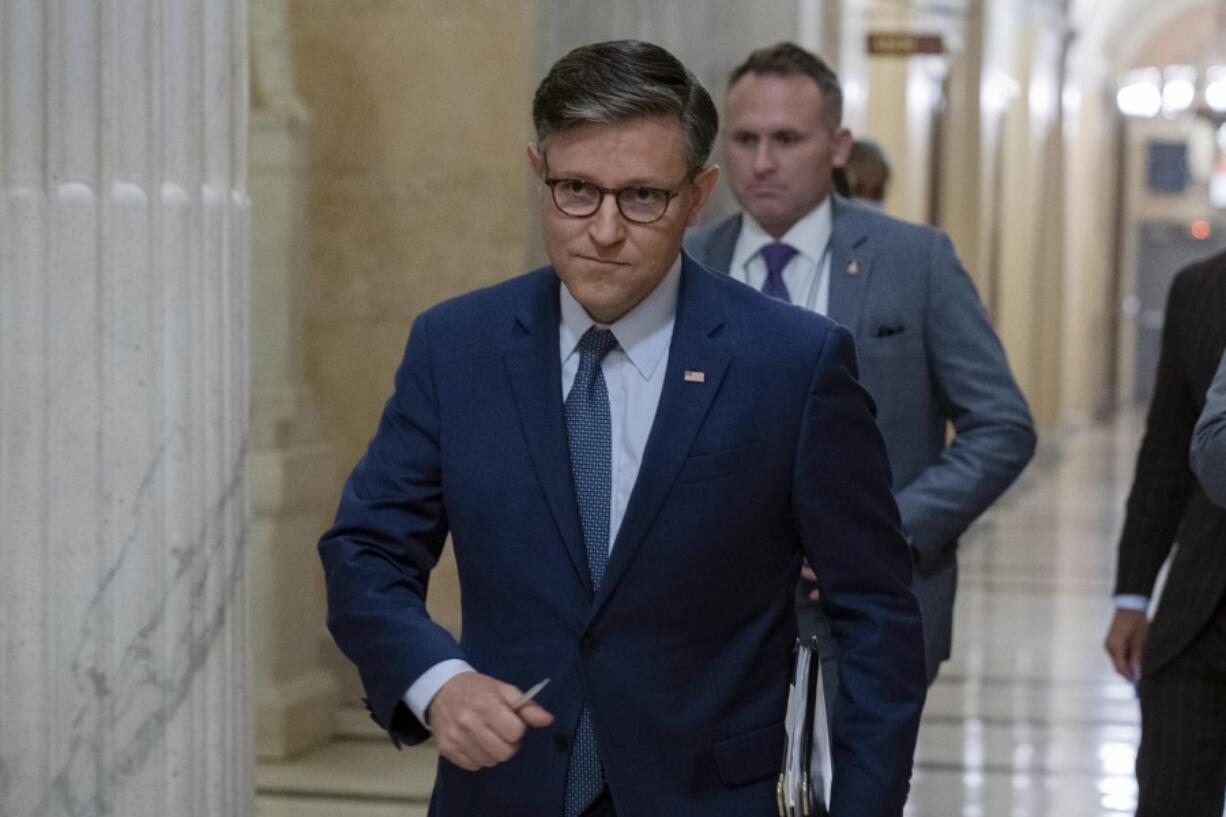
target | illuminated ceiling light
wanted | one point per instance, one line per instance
(1042, 96)
(1070, 98)
(1180, 89)
(1140, 93)
(853, 93)
(1215, 88)
(998, 90)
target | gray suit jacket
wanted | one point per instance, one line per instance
(929, 356)
(1209, 440)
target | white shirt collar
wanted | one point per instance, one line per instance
(809, 236)
(643, 333)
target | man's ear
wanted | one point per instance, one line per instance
(704, 185)
(842, 147)
(536, 159)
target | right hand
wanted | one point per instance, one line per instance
(473, 722)
(1125, 642)
(808, 575)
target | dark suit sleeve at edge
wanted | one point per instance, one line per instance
(848, 522)
(388, 534)
(1163, 481)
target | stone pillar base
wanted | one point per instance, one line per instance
(296, 716)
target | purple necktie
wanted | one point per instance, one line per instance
(776, 256)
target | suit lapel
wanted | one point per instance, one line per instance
(535, 368)
(683, 405)
(850, 265)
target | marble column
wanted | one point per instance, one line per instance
(124, 246)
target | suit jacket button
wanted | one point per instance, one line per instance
(561, 741)
(588, 646)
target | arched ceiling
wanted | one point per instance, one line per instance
(1129, 33)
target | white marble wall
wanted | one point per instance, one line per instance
(123, 409)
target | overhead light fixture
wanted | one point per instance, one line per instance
(1140, 93)
(1179, 90)
(1215, 89)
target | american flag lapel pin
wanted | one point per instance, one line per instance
(692, 376)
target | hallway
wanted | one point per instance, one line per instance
(1026, 720)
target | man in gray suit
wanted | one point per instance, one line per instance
(927, 352)
(1209, 440)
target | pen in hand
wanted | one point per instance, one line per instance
(529, 695)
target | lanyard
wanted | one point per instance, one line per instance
(822, 272)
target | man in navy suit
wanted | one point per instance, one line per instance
(927, 352)
(631, 455)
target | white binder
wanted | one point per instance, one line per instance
(804, 781)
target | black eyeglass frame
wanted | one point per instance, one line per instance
(669, 195)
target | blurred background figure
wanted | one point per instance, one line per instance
(838, 179)
(868, 172)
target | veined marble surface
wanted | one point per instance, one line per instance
(123, 410)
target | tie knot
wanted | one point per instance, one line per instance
(777, 255)
(597, 343)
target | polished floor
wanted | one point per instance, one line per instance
(1026, 720)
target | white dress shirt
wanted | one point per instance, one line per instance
(634, 376)
(1130, 601)
(807, 274)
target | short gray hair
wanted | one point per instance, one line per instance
(621, 80)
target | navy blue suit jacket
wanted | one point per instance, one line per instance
(684, 654)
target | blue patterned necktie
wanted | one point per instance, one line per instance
(776, 256)
(589, 432)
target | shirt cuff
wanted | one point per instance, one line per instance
(423, 690)
(1128, 601)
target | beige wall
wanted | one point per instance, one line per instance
(1032, 279)
(416, 186)
(892, 112)
(962, 159)
(1091, 191)
(416, 179)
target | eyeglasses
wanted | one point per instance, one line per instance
(638, 203)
